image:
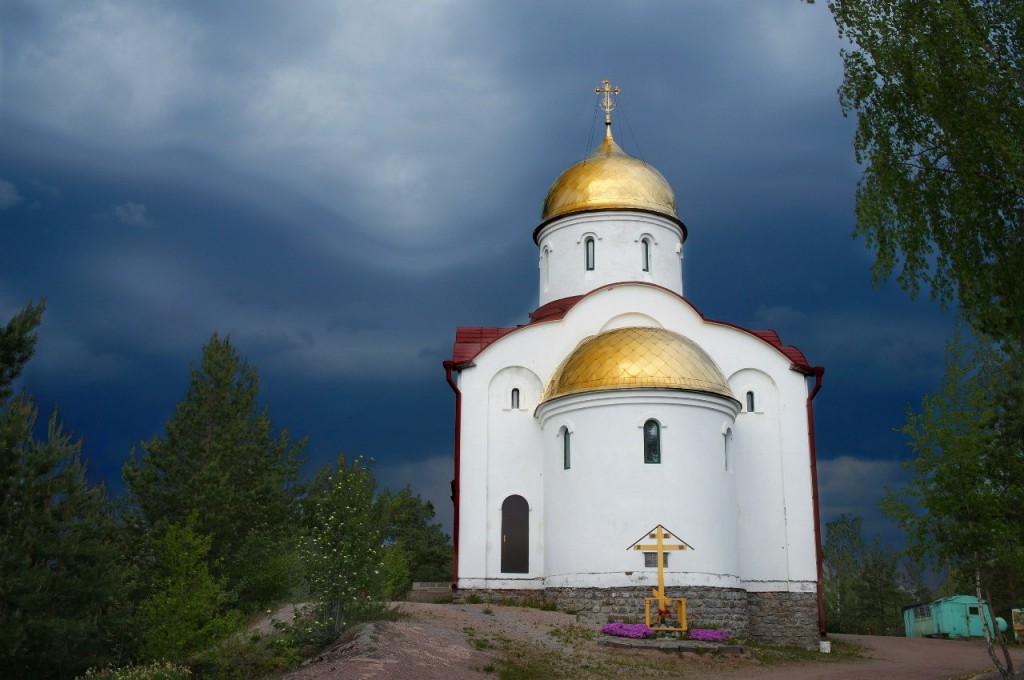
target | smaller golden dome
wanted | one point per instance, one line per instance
(609, 179)
(637, 358)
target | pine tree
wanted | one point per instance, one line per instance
(60, 572)
(218, 458)
(410, 526)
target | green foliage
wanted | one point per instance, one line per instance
(183, 615)
(219, 459)
(962, 505)
(158, 670)
(344, 553)
(17, 343)
(962, 508)
(842, 556)
(59, 566)
(938, 92)
(240, 657)
(866, 586)
(411, 529)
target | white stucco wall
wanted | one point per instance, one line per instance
(751, 526)
(618, 252)
(610, 497)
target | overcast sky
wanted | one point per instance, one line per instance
(338, 185)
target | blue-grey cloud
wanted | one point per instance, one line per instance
(338, 186)
(8, 194)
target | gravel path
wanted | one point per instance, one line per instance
(464, 642)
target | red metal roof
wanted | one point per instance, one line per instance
(471, 340)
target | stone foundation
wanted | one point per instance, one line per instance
(776, 618)
(784, 618)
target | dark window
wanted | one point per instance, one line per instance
(588, 253)
(515, 535)
(728, 448)
(652, 442)
(566, 445)
(645, 245)
(750, 402)
(515, 397)
(973, 611)
(651, 559)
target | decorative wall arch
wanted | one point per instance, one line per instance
(630, 319)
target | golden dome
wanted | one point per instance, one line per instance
(609, 179)
(635, 358)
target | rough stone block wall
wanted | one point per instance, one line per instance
(777, 618)
(784, 618)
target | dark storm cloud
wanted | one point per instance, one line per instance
(338, 185)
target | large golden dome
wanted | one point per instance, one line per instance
(609, 179)
(634, 358)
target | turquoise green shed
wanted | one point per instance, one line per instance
(955, 617)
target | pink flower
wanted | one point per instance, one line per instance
(630, 630)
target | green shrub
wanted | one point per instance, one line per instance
(158, 670)
(185, 613)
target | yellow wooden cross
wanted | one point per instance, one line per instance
(659, 534)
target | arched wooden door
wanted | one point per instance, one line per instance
(515, 535)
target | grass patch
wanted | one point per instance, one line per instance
(571, 634)
(477, 641)
(781, 654)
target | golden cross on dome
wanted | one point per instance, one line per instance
(607, 103)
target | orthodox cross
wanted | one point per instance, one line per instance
(607, 103)
(659, 534)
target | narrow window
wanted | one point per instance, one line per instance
(515, 397)
(652, 442)
(728, 449)
(566, 445)
(588, 250)
(645, 246)
(545, 271)
(750, 402)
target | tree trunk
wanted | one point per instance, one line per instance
(1006, 672)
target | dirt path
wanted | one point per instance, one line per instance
(465, 642)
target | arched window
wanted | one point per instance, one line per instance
(652, 442)
(515, 397)
(588, 253)
(566, 447)
(645, 250)
(750, 402)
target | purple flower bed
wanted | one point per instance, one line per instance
(708, 635)
(630, 630)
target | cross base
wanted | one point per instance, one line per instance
(669, 603)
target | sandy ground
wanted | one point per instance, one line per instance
(464, 642)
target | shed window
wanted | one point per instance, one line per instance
(588, 253)
(652, 442)
(973, 611)
(515, 397)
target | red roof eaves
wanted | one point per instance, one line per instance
(471, 340)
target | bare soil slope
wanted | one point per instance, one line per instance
(463, 642)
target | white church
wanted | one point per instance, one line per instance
(619, 406)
